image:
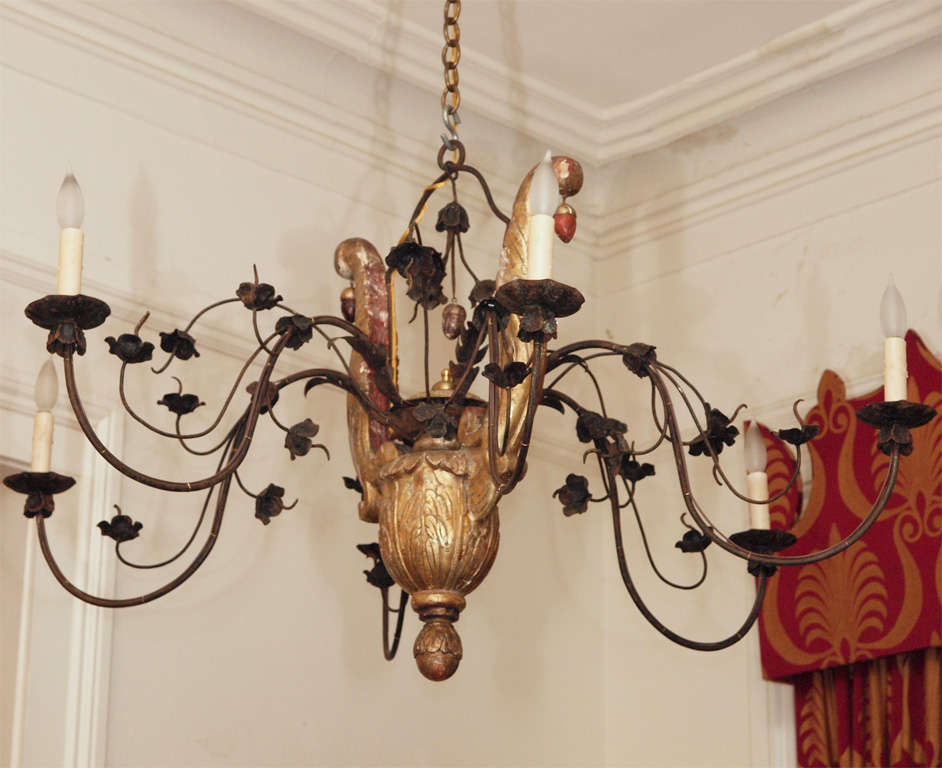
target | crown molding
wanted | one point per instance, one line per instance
(103, 32)
(796, 164)
(138, 48)
(854, 36)
(361, 29)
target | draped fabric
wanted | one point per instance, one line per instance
(883, 712)
(859, 634)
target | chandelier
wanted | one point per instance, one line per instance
(432, 469)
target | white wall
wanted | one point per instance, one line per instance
(195, 166)
(754, 255)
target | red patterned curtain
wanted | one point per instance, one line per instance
(859, 634)
(883, 712)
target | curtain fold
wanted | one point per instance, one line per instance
(884, 712)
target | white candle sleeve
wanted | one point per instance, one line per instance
(757, 484)
(71, 243)
(894, 368)
(42, 442)
(541, 232)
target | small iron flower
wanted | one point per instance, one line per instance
(121, 528)
(424, 270)
(257, 296)
(66, 338)
(180, 404)
(537, 323)
(353, 484)
(299, 330)
(179, 344)
(270, 503)
(129, 348)
(298, 440)
(693, 541)
(719, 432)
(800, 436)
(436, 418)
(378, 576)
(507, 377)
(39, 503)
(452, 217)
(268, 398)
(632, 471)
(594, 426)
(637, 357)
(574, 495)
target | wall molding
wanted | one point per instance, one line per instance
(853, 36)
(802, 162)
(861, 33)
(89, 648)
(128, 43)
(91, 632)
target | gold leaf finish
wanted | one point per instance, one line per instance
(436, 502)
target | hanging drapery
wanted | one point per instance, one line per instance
(883, 712)
(859, 634)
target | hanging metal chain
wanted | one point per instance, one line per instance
(451, 55)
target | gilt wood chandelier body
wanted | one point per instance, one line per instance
(432, 469)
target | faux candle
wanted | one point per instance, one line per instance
(70, 208)
(757, 481)
(544, 194)
(893, 320)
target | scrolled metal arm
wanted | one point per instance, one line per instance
(104, 602)
(238, 454)
(721, 540)
(695, 645)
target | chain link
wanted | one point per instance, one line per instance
(451, 55)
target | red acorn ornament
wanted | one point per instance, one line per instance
(565, 218)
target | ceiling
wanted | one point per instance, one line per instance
(608, 52)
(611, 79)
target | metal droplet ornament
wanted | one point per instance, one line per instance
(453, 317)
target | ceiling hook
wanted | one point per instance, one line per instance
(451, 122)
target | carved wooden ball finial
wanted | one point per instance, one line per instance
(437, 650)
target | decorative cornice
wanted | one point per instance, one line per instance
(863, 32)
(848, 38)
(851, 37)
(794, 165)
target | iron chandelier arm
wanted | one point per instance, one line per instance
(718, 471)
(562, 397)
(721, 540)
(647, 548)
(103, 602)
(238, 454)
(339, 380)
(389, 649)
(568, 355)
(222, 412)
(227, 445)
(695, 645)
